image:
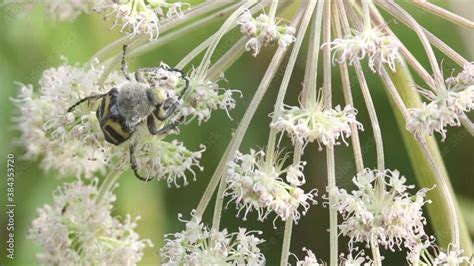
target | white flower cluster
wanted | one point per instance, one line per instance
(445, 108)
(377, 46)
(360, 259)
(309, 260)
(453, 256)
(464, 78)
(256, 183)
(73, 143)
(199, 245)
(264, 31)
(390, 216)
(417, 249)
(172, 81)
(308, 124)
(420, 255)
(203, 97)
(141, 16)
(165, 160)
(78, 229)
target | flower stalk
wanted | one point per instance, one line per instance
(424, 172)
(234, 144)
(109, 183)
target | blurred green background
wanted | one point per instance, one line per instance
(30, 42)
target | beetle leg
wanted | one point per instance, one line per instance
(183, 76)
(168, 111)
(164, 130)
(124, 66)
(133, 163)
(150, 122)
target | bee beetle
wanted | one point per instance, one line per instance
(140, 99)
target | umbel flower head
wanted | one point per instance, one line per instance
(453, 256)
(427, 253)
(263, 31)
(446, 107)
(255, 182)
(199, 245)
(372, 43)
(309, 260)
(165, 160)
(205, 96)
(79, 229)
(382, 210)
(360, 259)
(314, 122)
(73, 143)
(141, 16)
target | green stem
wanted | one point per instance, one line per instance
(286, 242)
(206, 61)
(330, 159)
(424, 173)
(220, 66)
(279, 103)
(273, 9)
(242, 128)
(107, 185)
(140, 42)
(240, 132)
(285, 249)
(377, 259)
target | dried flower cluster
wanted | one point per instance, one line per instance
(199, 245)
(79, 229)
(255, 183)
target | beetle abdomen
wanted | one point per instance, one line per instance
(112, 123)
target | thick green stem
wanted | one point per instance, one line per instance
(426, 177)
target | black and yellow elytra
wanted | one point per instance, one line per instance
(111, 121)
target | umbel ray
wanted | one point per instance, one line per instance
(140, 100)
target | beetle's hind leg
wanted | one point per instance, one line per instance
(133, 164)
(88, 98)
(124, 66)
